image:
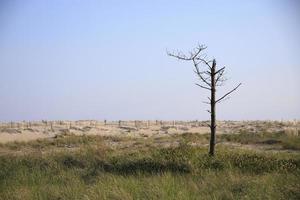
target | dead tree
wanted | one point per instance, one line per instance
(210, 78)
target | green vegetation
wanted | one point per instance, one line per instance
(279, 139)
(91, 167)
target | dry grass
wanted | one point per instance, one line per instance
(90, 167)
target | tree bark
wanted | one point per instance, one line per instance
(213, 111)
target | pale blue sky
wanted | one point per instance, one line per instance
(75, 59)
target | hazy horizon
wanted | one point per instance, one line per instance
(71, 60)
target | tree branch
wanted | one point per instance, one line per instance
(228, 97)
(220, 79)
(203, 86)
(199, 74)
(205, 62)
(222, 69)
(207, 124)
(228, 93)
(193, 54)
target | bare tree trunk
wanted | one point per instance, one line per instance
(210, 79)
(212, 111)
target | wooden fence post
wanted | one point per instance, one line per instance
(52, 127)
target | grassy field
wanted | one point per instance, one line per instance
(171, 167)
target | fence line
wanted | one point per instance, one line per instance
(94, 123)
(138, 124)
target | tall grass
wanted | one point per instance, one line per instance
(281, 139)
(93, 170)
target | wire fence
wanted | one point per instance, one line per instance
(94, 123)
(290, 127)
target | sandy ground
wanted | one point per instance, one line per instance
(26, 131)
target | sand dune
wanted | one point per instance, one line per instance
(26, 131)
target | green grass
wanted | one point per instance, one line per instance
(94, 170)
(276, 140)
(279, 139)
